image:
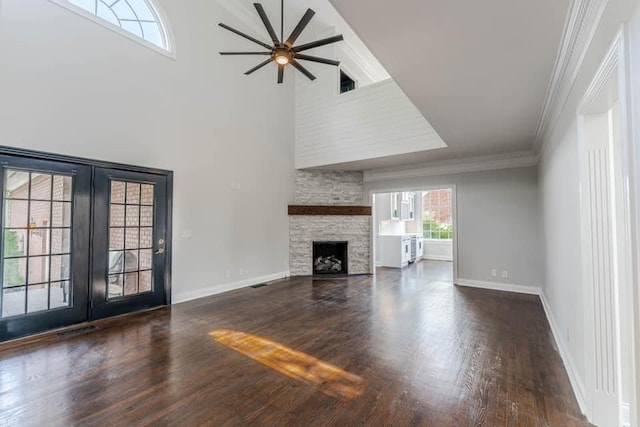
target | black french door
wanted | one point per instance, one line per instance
(46, 235)
(130, 234)
(79, 242)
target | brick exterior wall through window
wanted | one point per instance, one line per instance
(39, 222)
(131, 230)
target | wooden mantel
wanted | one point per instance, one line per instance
(330, 210)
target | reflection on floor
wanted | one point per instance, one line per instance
(437, 271)
(428, 353)
(327, 378)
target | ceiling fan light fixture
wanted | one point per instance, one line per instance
(285, 52)
(282, 58)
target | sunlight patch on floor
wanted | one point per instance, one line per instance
(328, 378)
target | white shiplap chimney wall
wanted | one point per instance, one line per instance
(375, 120)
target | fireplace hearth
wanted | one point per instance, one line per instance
(330, 258)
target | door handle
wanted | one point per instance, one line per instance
(160, 247)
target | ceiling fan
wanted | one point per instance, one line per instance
(284, 52)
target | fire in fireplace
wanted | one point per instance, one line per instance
(330, 258)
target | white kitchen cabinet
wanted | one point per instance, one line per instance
(407, 206)
(410, 199)
(388, 206)
(404, 211)
(396, 206)
(394, 250)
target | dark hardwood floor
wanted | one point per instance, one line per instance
(407, 348)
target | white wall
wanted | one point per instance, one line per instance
(439, 250)
(391, 227)
(498, 224)
(560, 192)
(560, 201)
(73, 87)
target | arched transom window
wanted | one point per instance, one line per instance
(137, 17)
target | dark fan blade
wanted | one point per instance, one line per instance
(316, 59)
(256, 68)
(319, 43)
(267, 23)
(303, 70)
(241, 34)
(280, 73)
(245, 53)
(300, 27)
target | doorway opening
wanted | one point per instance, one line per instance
(603, 144)
(415, 230)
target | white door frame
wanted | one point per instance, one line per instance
(615, 64)
(454, 207)
(631, 154)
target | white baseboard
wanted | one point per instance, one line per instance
(436, 258)
(179, 297)
(574, 378)
(494, 286)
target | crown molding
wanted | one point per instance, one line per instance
(605, 72)
(580, 27)
(471, 164)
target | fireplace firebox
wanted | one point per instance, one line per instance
(330, 258)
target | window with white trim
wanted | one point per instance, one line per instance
(137, 17)
(437, 214)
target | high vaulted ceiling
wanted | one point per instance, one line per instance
(477, 70)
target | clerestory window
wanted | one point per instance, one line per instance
(137, 17)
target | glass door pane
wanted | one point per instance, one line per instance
(130, 239)
(37, 236)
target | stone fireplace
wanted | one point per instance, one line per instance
(329, 209)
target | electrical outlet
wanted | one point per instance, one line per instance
(241, 271)
(494, 272)
(505, 274)
(185, 234)
(228, 274)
